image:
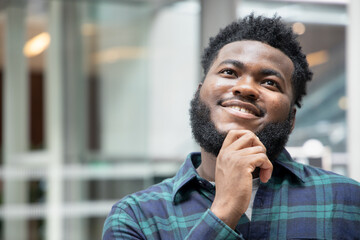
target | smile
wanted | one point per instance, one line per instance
(242, 107)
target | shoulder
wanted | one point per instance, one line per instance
(145, 199)
(314, 174)
(129, 214)
(140, 207)
(340, 187)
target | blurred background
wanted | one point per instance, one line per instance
(94, 99)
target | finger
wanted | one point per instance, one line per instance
(251, 151)
(232, 136)
(266, 169)
(259, 160)
(240, 139)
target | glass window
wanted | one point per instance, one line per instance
(105, 88)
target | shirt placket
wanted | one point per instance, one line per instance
(261, 219)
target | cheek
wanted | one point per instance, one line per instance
(212, 91)
(222, 84)
(279, 108)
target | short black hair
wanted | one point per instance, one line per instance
(271, 31)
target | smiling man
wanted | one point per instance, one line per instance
(243, 184)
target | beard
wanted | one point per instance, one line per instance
(274, 136)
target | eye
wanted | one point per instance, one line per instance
(271, 84)
(228, 72)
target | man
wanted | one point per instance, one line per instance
(243, 184)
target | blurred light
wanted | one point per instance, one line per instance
(342, 103)
(298, 28)
(117, 53)
(313, 148)
(317, 58)
(323, 126)
(337, 134)
(88, 29)
(37, 45)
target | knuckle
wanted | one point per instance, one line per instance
(227, 156)
(232, 134)
(260, 149)
(248, 133)
(239, 132)
(262, 156)
(224, 156)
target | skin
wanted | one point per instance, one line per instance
(256, 77)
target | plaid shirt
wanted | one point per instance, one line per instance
(299, 202)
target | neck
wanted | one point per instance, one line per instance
(206, 169)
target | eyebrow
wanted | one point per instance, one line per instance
(265, 72)
(236, 63)
(271, 72)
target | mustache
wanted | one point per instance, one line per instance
(240, 98)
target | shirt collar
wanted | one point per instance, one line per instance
(188, 173)
(286, 161)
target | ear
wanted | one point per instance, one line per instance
(199, 86)
(293, 118)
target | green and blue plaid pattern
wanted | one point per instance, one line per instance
(299, 202)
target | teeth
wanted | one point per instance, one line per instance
(237, 108)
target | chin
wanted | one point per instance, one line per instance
(232, 126)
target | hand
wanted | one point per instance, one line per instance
(241, 153)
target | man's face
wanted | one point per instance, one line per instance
(247, 87)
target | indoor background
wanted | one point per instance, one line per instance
(94, 99)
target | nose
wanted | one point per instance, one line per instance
(246, 87)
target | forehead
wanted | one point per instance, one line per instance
(255, 53)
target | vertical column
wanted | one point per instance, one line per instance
(353, 89)
(54, 124)
(15, 114)
(74, 82)
(75, 110)
(215, 14)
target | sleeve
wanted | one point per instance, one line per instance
(120, 225)
(210, 227)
